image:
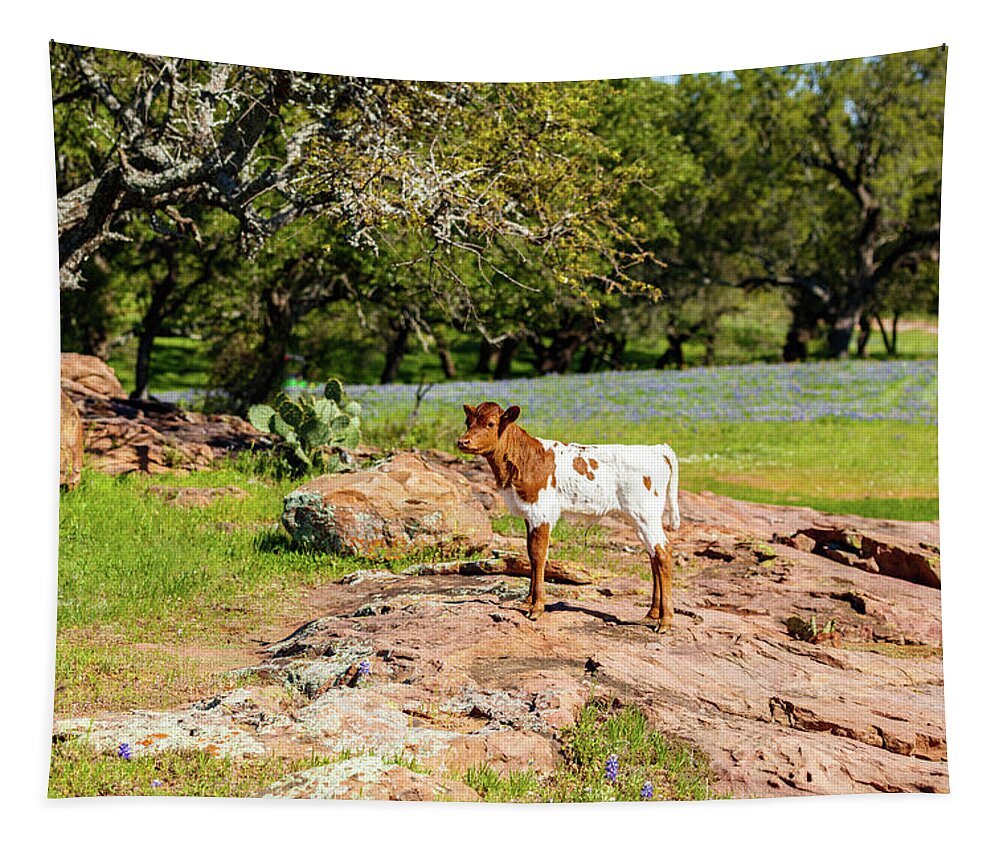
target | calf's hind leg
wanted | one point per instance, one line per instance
(664, 566)
(654, 607)
(660, 552)
(538, 550)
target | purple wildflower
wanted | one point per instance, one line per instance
(365, 667)
(611, 768)
(156, 784)
(124, 751)
(647, 791)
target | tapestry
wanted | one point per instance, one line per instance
(507, 442)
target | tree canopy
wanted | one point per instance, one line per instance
(244, 204)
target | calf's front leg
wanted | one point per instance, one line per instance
(538, 550)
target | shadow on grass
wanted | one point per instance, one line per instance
(279, 542)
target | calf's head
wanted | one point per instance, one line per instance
(484, 425)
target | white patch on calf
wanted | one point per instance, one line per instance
(598, 479)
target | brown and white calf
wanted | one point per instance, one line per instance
(540, 479)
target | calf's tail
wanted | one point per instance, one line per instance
(672, 503)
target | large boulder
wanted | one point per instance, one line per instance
(89, 376)
(70, 442)
(404, 505)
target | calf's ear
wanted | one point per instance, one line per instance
(469, 410)
(508, 416)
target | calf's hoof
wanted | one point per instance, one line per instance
(535, 612)
(663, 625)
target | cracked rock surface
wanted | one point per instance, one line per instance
(455, 674)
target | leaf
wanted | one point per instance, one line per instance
(340, 423)
(284, 430)
(260, 418)
(350, 438)
(334, 390)
(314, 433)
(326, 410)
(290, 412)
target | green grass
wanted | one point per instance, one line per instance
(100, 675)
(872, 469)
(176, 363)
(142, 582)
(563, 532)
(77, 770)
(674, 770)
(128, 558)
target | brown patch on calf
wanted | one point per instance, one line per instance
(648, 482)
(593, 463)
(581, 467)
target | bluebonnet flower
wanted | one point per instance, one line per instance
(124, 751)
(855, 391)
(647, 791)
(156, 784)
(611, 768)
(365, 667)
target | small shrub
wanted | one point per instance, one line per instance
(309, 428)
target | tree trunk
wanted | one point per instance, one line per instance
(841, 331)
(589, 359)
(885, 336)
(895, 324)
(674, 353)
(152, 322)
(397, 349)
(272, 353)
(444, 355)
(864, 333)
(806, 314)
(487, 357)
(505, 357)
(616, 351)
(557, 357)
(710, 337)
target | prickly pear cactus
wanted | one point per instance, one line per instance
(308, 427)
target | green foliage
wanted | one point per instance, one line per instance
(308, 427)
(532, 212)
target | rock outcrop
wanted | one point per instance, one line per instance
(129, 435)
(401, 506)
(444, 672)
(86, 375)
